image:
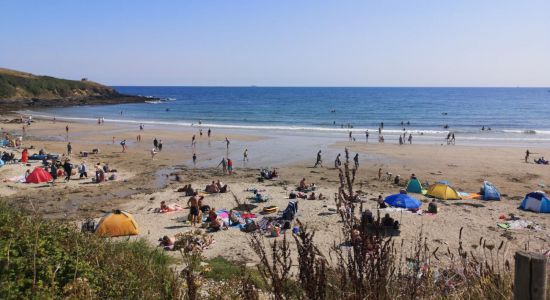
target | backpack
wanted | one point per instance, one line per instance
(88, 226)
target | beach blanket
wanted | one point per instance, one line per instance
(472, 196)
(463, 194)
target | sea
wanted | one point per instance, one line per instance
(508, 115)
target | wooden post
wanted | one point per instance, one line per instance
(530, 276)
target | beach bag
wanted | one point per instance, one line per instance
(88, 226)
(276, 231)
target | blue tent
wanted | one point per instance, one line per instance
(403, 200)
(537, 202)
(490, 192)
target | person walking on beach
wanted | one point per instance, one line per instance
(153, 153)
(209, 132)
(453, 138)
(160, 145)
(68, 168)
(527, 153)
(350, 137)
(113, 140)
(379, 173)
(410, 138)
(319, 161)
(141, 126)
(381, 125)
(194, 160)
(400, 140)
(356, 160)
(223, 163)
(200, 132)
(245, 155)
(123, 144)
(155, 143)
(337, 162)
(138, 138)
(229, 166)
(227, 143)
(83, 170)
(69, 149)
(193, 140)
(367, 136)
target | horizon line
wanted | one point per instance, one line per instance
(326, 86)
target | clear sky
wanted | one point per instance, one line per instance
(281, 42)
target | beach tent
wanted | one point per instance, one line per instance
(490, 192)
(117, 223)
(443, 191)
(537, 202)
(1, 163)
(39, 175)
(414, 186)
(403, 201)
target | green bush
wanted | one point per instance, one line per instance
(49, 259)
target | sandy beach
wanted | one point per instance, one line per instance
(143, 182)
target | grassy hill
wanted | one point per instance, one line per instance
(20, 89)
(20, 85)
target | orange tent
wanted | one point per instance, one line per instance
(117, 223)
(39, 175)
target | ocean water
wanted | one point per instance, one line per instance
(518, 116)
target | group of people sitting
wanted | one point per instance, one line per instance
(541, 161)
(305, 187)
(269, 174)
(8, 157)
(216, 187)
(187, 189)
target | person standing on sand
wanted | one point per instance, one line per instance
(410, 138)
(68, 168)
(160, 145)
(83, 170)
(200, 132)
(400, 140)
(69, 149)
(153, 153)
(193, 140)
(227, 143)
(67, 129)
(319, 161)
(350, 137)
(245, 155)
(337, 161)
(356, 160)
(123, 144)
(223, 163)
(155, 143)
(527, 153)
(193, 204)
(367, 136)
(194, 160)
(379, 173)
(209, 132)
(453, 138)
(229, 166)
(141, 126)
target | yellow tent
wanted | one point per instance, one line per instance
(117, 223)
(443, 191)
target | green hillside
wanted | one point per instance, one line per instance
(16, 85)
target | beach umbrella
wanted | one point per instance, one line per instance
(403, 201)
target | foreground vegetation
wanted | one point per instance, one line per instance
(49, 259)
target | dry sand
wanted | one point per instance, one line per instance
(145, 182)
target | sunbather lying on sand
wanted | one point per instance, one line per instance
(167, 242)
(164, 208)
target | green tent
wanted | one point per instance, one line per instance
(414, 186)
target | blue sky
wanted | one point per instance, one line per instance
(281, 43)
